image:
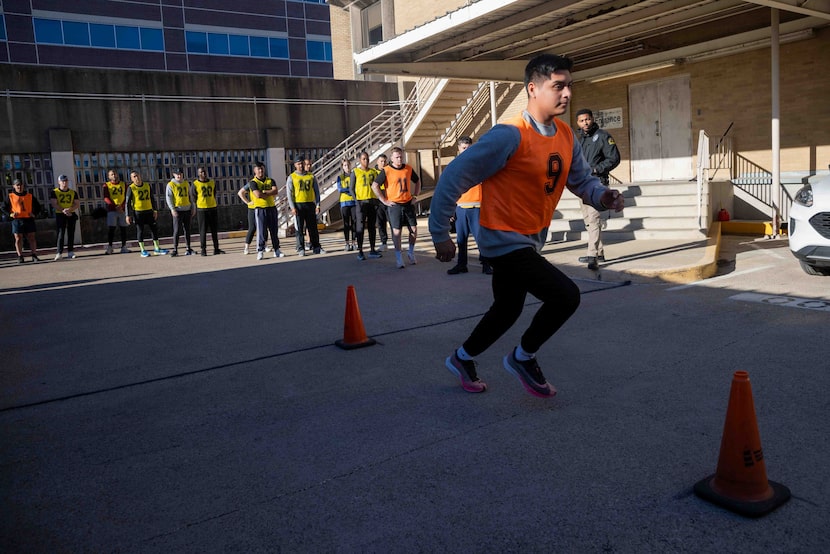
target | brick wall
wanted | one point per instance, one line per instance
(341, 43)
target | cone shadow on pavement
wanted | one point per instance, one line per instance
(740, 483)
(354, 334)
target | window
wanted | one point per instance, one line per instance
(218, 43)
(239, 45)
(102, 35)
(279, 47)
(196, 42)
(259, 47)
(76, 34)
(127, 37)
(372, 25)
(318, 50)
(48, 31)
(152, 39)
(2, 27)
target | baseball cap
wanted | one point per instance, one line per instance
(299, 159)
(63, 177)
(177, 171)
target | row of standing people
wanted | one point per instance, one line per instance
(371, 197)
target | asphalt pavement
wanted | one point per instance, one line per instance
(198, 404)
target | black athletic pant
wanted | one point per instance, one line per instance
(366, 219)
(514, 275)
(182, 223)
(382, 222)
(208, 218)
(143, 219)
(307, 217)
(66, 229)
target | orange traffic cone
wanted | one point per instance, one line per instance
(354, 335)
(740, 483)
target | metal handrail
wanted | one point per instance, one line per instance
(474, 104)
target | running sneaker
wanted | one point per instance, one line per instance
(145, 254)
(466, 371)
(319, 251)
(35, 258)
(71, 255)
(375, 254)
(267, 248)
(174, 253)
(125, 250)
(411, 256)
(245, 250)
(108, 249)
(260, 255)
(21, 260)
(301, 252)
(361, 256)
(278, 253)
(160, 252)
(58, 256)
(529, 375)
(383, 247)
(189, 252)
(216, 252)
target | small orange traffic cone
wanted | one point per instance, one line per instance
(354, 335)
(740, 483)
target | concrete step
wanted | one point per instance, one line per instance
(627, 223)
(629, 234)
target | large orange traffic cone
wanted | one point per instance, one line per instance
(740, 483)
(354, 335)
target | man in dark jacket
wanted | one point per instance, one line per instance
(602, 155)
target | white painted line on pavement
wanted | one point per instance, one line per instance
(720, 278)
(814, 304)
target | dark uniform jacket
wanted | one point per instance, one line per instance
(600, 151)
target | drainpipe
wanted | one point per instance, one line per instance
(493, 103)
(776, 128)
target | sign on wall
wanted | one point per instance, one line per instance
(609, 119)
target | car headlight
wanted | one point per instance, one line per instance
(804, 196)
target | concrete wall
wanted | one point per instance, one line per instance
(133, 125)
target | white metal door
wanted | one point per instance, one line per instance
(661, 130)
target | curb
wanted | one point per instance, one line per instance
(704, 268)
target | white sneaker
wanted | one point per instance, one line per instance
(71, 255)
(260, 255)
(268, 248)
(278, 253)
(125, 250)
(245, 251)
(58, 256)
(108, 250)
(382, 247)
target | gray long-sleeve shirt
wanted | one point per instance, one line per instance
(483, 160)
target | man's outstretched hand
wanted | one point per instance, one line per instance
(613, 200)
(445, 251)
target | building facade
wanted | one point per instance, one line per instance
(290, 38)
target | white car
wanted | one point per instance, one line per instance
(809, 227)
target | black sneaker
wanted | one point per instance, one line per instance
(456, 270)
(486, 268)
(174, 253)
(21, 260)
(466, 371)
(529, 375)
(217, 251)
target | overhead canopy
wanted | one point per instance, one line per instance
(493, 39)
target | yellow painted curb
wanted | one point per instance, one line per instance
(706, 267)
